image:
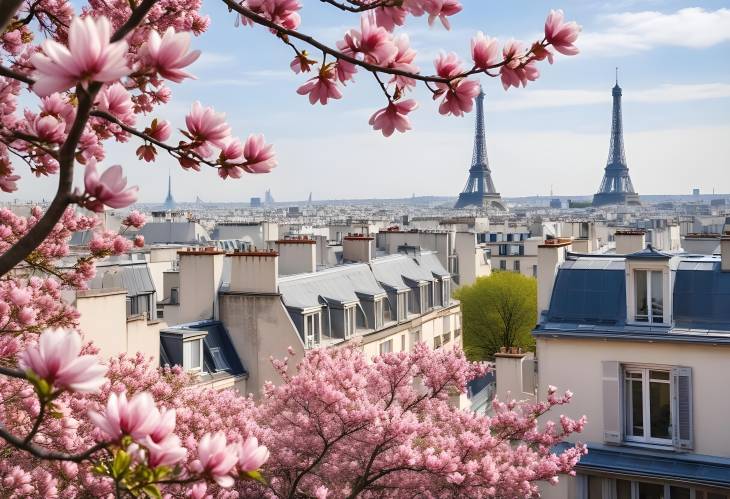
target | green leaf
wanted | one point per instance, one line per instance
(254, 475)
(120, 464)
(152, 491)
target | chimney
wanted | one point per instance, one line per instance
(550, 255)
(629, 241)
(357, 248)
(297, 256)
(254, 272)
(201, 274)
(725, 252)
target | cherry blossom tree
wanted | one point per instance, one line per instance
(344, 425)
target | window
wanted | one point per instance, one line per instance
(446, 290)
(386, 347)
(423, 291)
(349, 321)
(379, 315)
(516, 265)
(457, 333)
(415, 337)
(611, 488)
(312, 329)
(648, 414)
(503, 265)
(534, 271)
(174, 296)
(649, 299)
(403, 343)
(402, 306)
(446, 338)
(193, 355)
(436, 342)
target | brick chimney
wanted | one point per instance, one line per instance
(201, 274)
(357, 248)
(254, 272)
(550, 254)
(629, 241)
(725, 252)
(297, 256)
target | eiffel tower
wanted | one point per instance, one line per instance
(479, 190)
(616, 187)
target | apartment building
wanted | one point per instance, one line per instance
(643, 341)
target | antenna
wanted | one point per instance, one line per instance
(616, 75)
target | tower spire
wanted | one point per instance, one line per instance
(617, 76)
(479, 190)
(169, 203)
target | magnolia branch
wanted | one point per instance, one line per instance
(66, 158)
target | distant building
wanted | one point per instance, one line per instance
(169, 203)
(268, 198)
(556, 203)
(696, 192)
(616, 187)
(255, 202)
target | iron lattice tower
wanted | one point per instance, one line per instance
(479, 190)
(616, 187)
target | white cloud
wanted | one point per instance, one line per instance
(631, 32)
(533, 99)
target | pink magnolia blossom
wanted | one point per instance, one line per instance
(373, 42)
(441, 10)
(137, 417)
(484, 51)
(159, 130)
(169, 54)
(457, 98)
(115, 100)
(89, 57)
(108, 189)
(404, 60)
(301, 63)
(251, 455)
(393, 117)
(135, 219)
(560, 34)
(207, 126)
(321, 88)
(233, 152)
(390, 17)
(138, 241)
(216, 458)
(56, 359)
(260, 156)
(49, 129)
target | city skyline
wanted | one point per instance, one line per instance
(673, 70)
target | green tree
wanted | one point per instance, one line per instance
(498, 310)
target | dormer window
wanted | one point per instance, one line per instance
(379, 313)
(193, 355)
(312, 329)
(648, 295)
(402, 306)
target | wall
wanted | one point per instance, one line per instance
(575, 364)
(259, 327)
(201, 273)
(104, 319)
(143, 336)
(471, 258)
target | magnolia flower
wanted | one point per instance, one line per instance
(138, 241)
(48, 129)
(134, 219)
(205, 125)
(321, 88)
(169, 54)
(560, 34)
(115, 100)
(302, 63)
(137, 417)
(216, 458)
(260, 157)
(484, 51)
(251, 455)
(159, 130)
(374, 42)
(165, 452)
(56, 359)
(108, 189)
(459, 98)
(441, 9)
(393, 117)
(89, 57)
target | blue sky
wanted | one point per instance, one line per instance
(674, 70)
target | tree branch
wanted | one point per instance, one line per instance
(66, 158)
(8, 8)
(47, 454)
(15, 75)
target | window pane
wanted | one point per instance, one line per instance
(635, 412)
(623, 489)
(594, 488)
(642, 308)
(660, 413)
(679, 493)
(659, 375)
(657, 299)
(651, 491)
(195, 354)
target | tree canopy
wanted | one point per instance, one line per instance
(498, 310)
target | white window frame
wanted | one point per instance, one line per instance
(649, 317)
(386, 346)
(350, 318)
(378, 311)
(402, 306)
(312, 329)
(646, 404)
(608, 488)
(188, 347)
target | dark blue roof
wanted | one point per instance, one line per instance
(593, 296)
(694, 469)
(702, 297)
(218, 352)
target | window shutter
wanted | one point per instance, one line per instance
(611, 401)
(682, 434)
